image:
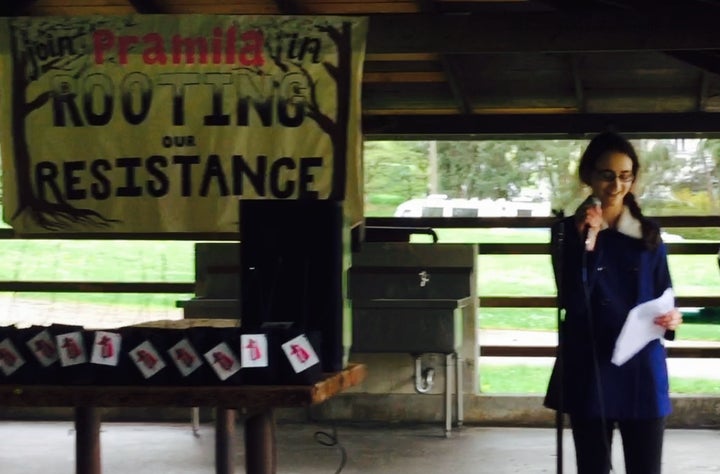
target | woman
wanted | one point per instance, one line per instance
(608, 258)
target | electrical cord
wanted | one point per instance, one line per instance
(596, 362)
(331, 440)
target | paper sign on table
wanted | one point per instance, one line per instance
(300, 353)
(71, 348)
(222, 360)
(44, 348)
(10, 358)
(147, 359)
(185, 357)
(106, 348)
(253, 350)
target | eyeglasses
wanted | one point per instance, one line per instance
(609, 176)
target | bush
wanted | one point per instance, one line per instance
(393, 199)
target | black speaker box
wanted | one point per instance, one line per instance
(292, 270)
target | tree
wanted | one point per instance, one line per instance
(708, 155)
(394, 168)
(503, 169)
(28, 69)
(556, 165)
(477, 169)
(336, 127)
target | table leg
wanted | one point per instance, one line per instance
(459, 388)
(195, 421)
(260, 448)
(224, 441)
(448, 394)
(87, 440)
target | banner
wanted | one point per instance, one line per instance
(162, 123)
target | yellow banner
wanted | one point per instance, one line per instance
(162, 123)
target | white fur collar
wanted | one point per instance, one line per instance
(627, 224)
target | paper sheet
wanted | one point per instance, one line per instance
(639, 328)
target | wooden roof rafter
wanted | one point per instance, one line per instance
(289, 7)
(578, 83)
(504, 67)
(448, 66)
(16, 7)
(148, 6)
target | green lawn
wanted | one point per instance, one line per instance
(106, 261)
(531, 379)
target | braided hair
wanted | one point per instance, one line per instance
(601, 145)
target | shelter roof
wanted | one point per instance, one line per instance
(521, 68)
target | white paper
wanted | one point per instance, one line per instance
(71, 348)
(639, 328)
(185, 357)
(10, 358)
(300, 353)
(106, 348)
(223, 361)
(43, 346)
(147, 359)
(254, 351)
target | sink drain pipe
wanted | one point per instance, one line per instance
(424, 376)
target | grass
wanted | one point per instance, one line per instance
(532, 379)
(104, 261)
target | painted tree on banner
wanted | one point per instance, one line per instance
(32, 60)
(335, 127)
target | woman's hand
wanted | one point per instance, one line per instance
(670, 320)
(589, 214)
(589, 220)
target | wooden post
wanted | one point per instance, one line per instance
(225, 441)
(87, 440)
(260, 448)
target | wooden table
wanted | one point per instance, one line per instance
(258, 401)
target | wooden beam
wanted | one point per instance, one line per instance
(451, 66)
(227, 396)
(289, 7)
(703, 91)
(6, 233)
(550, 351)
(706, 60)
(537, 222)
(15, 7)
(551, 301)
(578, 84)
(147, 6)
(392, 57)
(448, 64)
(95, 287)
(537, 32)
(493, 126)
(402, 77)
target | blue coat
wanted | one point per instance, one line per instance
(621, 273)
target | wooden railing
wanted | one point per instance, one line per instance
(486, 301)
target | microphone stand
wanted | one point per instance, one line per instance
(557, 254)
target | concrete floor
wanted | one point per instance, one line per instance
(48, 448)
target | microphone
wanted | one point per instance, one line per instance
(590, 233)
